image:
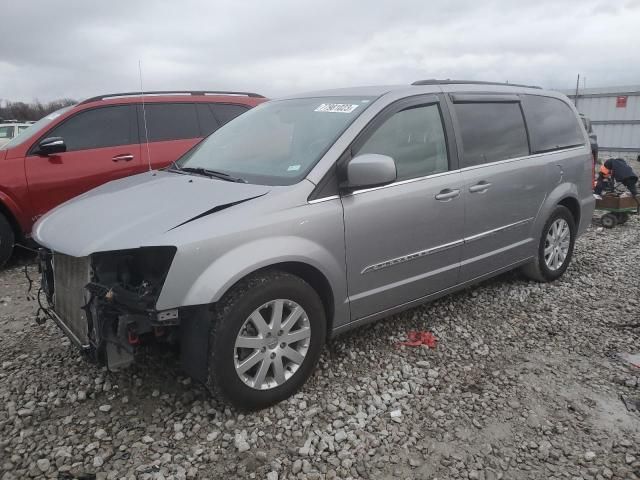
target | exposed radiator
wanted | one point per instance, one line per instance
(70, 275)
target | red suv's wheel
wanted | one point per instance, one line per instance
(7, 238)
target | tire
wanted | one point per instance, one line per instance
(609, 220)
(539, 270)
(7, 240)
(275, 376)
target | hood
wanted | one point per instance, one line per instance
(135, 211)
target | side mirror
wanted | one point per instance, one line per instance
(370, 170)
(51, 146)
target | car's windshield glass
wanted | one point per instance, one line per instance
(278, 142)
(34, 129)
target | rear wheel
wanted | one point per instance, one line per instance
(609, 220)
(7, 239)
(266, 339)
(555, 248)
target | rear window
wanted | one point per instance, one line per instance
(227, 112)
(170, 121)
(552, 124)
(491, 132)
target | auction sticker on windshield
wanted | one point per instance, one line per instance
(336, 108)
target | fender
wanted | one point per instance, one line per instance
(559, 193)
(19, 217)
(236, 264)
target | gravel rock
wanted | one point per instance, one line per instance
(524, 383)
(43, 464)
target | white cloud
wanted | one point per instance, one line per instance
(78, 48)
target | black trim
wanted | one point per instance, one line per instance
(170, 92)
(470, 82)
(327, 186)
(620, 149)
(216, 209)
(526, 128)
(615, 122)
(483, 98)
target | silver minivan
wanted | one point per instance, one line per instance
(311, 215)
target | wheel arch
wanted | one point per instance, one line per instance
(317, 280)
(572, 204)
(7, 212)
(310, 274)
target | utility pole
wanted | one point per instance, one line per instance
(575, 99)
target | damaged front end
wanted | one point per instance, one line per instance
(105, 302)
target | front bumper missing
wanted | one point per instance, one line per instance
(113, 319)
(85, 347)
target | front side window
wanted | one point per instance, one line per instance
(171, 121)
(414, 138)
(6, 131)
(491, 132)
(552, 124)
(98, 128)
(278, 142)
(22, 128)
(36, 128)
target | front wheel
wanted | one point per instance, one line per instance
(555, 247)
(266, 339)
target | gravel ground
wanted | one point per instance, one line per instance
(524, 383)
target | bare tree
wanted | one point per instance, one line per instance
(22, 111)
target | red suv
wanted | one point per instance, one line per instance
(100, 139)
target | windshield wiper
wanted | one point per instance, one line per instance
(213, 173)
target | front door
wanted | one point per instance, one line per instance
(504, 186)
(404, 240)
(102, 145)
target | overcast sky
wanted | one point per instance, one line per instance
(79, 48)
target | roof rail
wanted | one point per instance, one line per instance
(434, 81)
(170, 92)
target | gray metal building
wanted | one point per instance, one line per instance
(615, 115)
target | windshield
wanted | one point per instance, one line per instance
(278, 142)
(34, 129)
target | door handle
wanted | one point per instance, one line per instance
(125, 157)
(447, 194)
(480, 187)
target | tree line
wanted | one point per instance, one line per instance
(23, 112)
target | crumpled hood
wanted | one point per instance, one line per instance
(133, 211)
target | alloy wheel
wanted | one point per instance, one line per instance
(272, 344)
(557, 244)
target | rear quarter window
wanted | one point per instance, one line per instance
(491, 132)
(226, 112)
(552, 124)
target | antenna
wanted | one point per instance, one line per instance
(144, 116)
